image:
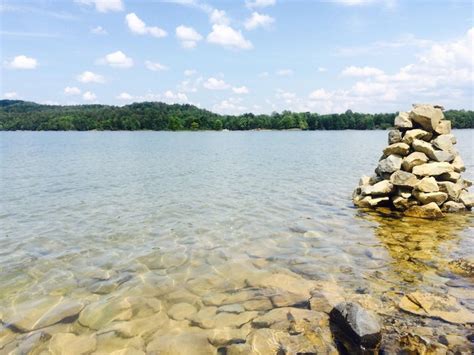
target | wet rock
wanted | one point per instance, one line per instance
(467, 199)
(41, 313)
(181, 311)
(403, 204)
(413, 134)
(429, 211)
(417, 344)
(394, 136)
(142, 327)
(432, 169)
(403, 178)
(279, 281)
(403, 120)
(32, 343)
(99, 314)
(390, 164)
(226, 336)
(368, 201)
(428, 197)
(414, 159)
(381, 188)
(451, 206)
(231, 308)
(288, 299)
(287, 318)
(223, 320)
(401, 149)
(462, 266)
(444, 307)
(181, 342)
(427, 116)
(427, 184)
(108, 343)
(356, 325)
(63, 343)
(259, 304)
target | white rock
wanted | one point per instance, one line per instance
(432, 169)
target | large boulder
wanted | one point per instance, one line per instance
(451, 206)
(397, 148)
(427, 116)
(453, 190)
(417, 133)
(467, 199)
(403, 178)
(427, 184)
(427, 197)
(431, 152)
(429, 211)
(443, 142)
(432, 169)
(390, 164)
(356, 325)
(414, 159)
(381, 188)
(403, 120)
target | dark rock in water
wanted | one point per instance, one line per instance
(357, 328)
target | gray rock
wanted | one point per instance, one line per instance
(441, 155)
(381, 188)
(369, 201)
(427, 116)
(443, 142)
(394, 136)
(364, 180)
(357, 325)
(403, 178)
(432, 169)
(451, 206)
(414, 159)
(401, 203)
(427, 197)
(397, 148)
(403, 120)
(390, 164)
(467, 199)
(431, 152)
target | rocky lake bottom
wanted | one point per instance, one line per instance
(218, 243)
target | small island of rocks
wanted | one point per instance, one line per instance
(419, 173)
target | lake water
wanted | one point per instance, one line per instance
(182, 242)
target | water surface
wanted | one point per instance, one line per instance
(180, 218)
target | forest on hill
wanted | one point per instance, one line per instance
(23, 115)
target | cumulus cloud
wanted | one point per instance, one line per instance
(258, 20)
(173, 97)
(99, 30)
(227, 37)
(361, 71)
(259, 3)
(218, 17)
(23, 62)
(10, 95)
(125, 96)
(284, 72)
(90, 77)
(215, 84)
(189, 72)
(232, 105)
(137, 26)
(240, 90)
(190, 85)
(89, 96)
(103, 5)
(72, 90)
(155, 66)
(117, 59)
(188, 36)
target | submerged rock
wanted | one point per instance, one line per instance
(429, 211)
(444, 307)
(356, 325)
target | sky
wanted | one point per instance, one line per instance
(240, 56)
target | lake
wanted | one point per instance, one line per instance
(170, 241)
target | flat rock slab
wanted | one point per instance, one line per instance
(444, 307)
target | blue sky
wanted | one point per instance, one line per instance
(240, 56)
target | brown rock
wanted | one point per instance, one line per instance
(450, 176)
(403, 120)
(458, 164)
(416, 133)
(432, 169)
(451, 206)
(427, 116)
(443, 142)
(403, 178)
(453, 190)
(427, 184)
(401, 149)
(381, 188)
(443, 127)
(467, 199)
(429, 211)
(428, 197)
(414, 159)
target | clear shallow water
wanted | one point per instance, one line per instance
(99, 217)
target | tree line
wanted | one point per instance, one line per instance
(23, 115)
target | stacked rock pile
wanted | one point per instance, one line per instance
(419, 172)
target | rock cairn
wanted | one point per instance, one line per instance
(419, 172)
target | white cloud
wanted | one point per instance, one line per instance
(23, 62)
(189, 72)
(90, 77)
(190, 85)
(258, 20)
(215, 84)
(155, 66)
(173, 97)
(136, 25)
(124, 96)
(320, 94)
(218, 17)
(10, 95)
(103, 5)
(72, 90)
(259, 3)
(240, 90)
(322, 69)
(232, 105)
(226, 36)
(117, 59)
(284, 72)
(286, 96)
(89, 96)
(361, 71)
(188, 36)
(99, 30)
(264, 74)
